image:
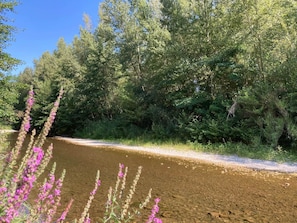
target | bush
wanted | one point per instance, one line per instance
(110, 129)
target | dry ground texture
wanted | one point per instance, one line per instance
(193, 187)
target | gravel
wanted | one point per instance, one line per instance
(222, 160)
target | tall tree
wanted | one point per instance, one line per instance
(7, 62)
(140, 43)
(45, 75)
(101, 72)
(8, 91)
(68, 76)
(8, 99)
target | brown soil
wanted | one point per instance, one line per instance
(189, 191)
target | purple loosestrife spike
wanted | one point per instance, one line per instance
(49, 122)
(47, 157)
(155, 210)
(121, 174)
(84, 215)
(42, 203)
(55, 198)
(16, 199)
(25, 126)
(64, 214)
(30, 100)
(2, 189)
(127, 202)
(157, 200)
(87, 220)
(157, 220)
(53, 116)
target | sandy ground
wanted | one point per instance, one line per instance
(203, 189)
(222, 160)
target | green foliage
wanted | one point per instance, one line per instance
(173, 69)
(7, 62)
(208, 122)
(8, 100)
(19, 173)
(8, 88)
(110, 129)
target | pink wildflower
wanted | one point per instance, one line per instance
(3, 189)
(121, 174)
(53, 116)
(57, 192)
(99, 183)
(157, 220)
(87, 220)
(95, 189)
(27, 125)
(64, 214)
(30, 100)
(16, 199)
(155, 210)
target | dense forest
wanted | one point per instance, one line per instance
(194, 70)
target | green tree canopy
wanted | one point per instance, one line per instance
(7, 62)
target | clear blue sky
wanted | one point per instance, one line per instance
(42, 23)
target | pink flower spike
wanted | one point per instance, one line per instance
(157, 220)
(37, 150)
(64, 214)
(154, 211)
(99, 183)
(57, 192)
(87, 220)
(31, 92)
(121, 174)
(30, 100)
(27, 126)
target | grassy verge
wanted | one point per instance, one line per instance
(249, 151)
(117, 131)
(5, 127)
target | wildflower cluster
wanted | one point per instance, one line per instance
(155, 210)
(118, 205)
(18, 175)
(17, 181)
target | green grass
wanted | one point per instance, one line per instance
(5, 127)
(115, 131)
(249, 151)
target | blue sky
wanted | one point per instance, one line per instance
(42, 23)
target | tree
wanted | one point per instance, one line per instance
(140, 40)
(7, 62)
(8, 91)
(100, 74)
(44, 83)
(8, 99)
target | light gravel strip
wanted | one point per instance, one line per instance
(222, 160)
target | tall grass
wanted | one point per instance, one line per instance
(19, 174)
